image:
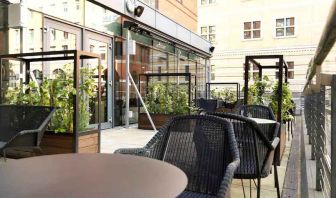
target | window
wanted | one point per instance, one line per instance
(205, 2)
(213, 72)
(77, 5)
(252, 30)
(65, 47)
(53, 34)
(204, 32)
(285, 27)
(65, 6)
(255, 71)
(290, 65)
(209, 33)
(65, 35)
(31, 38)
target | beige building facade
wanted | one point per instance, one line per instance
(260, 27)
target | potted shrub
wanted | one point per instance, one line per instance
(59, 92)
(163, 101)
(286, 106)
(258, 90)
(227, 98)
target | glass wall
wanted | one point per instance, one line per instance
(70, 10)
(153, 54)
(101, 19)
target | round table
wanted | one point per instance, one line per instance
(90, 175)
(263, 121)
(266, 126)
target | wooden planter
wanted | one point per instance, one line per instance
(158, 119)
(58, 143)
(282, 144)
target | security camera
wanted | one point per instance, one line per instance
(138, 10)
(212, 49)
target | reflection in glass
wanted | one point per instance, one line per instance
(70, 10)
(101, 48)
(101, 19)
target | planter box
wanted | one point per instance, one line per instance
(158, 119)
(282, 144)
(58, 143)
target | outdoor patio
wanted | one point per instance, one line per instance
(120, 137)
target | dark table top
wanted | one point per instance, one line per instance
(90, 175)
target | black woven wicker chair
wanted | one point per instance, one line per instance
(256, 111)
(203, 146)
(207, 105)
(256, 149)
(22, 127)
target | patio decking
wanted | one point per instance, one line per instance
(133, 137)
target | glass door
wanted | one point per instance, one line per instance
(102, 45)
(59, 36)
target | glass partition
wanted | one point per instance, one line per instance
(101, 19)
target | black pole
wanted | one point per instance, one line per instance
(281, 63)
(286, 74)
(246, 79)
(1, 73)
(189, 91)
(27, 71)
(260, 72)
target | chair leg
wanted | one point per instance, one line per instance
(292, 129)
(276, 180)
(250, 189)
(258, 188)
(243, 187)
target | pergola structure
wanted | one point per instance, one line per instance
(77, 56)
(282, 68)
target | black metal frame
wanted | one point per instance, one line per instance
(188, 75)
(208, 88)
(76, 56)
(281, 66)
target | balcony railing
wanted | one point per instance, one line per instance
(320, 109)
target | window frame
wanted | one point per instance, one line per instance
(207, 2)
(295, 26)
(207, 35)
(251, 30)
(289, 70)
(212, 72)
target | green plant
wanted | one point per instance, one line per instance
(59, 92)
(167, 98)
(226, 94)
(257, 90)
(286, 101)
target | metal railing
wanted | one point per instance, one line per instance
(320, 111)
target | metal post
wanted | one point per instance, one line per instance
(127, 79)
(333, 137)
(246, 74)
(314, 122)
(1, 89)
(320, 137)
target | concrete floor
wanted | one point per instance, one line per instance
(132, 137)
